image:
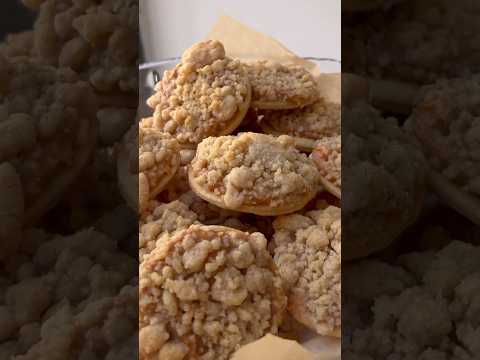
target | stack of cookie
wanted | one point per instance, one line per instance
(239, 225)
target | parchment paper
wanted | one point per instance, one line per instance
(244, 43)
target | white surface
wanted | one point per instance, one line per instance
(306, 27)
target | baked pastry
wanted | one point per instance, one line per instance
(205, 292)
(328, 157)
(48, 127)
(277, 86)
(253, 173)
(310, 122)
(207, 94)
(307, 250)
(164, 219)
(146, 163)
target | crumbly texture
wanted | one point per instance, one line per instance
(420, 41)
(377, 154)
(158, 160)
(424, 306)
(207, 94)
(311, 122)
(308, 256)
(47, 118)
(328, 157)
(17, 44)
(163, 220)
(254, 170)
(446, 123)
(278, 86)
(96, 39)
(207, 291)
(68, 296)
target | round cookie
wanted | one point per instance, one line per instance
(207, 94)
(147, 162)
(48, 126)
(205, 292)
(307, 252)
(253, 173)
(276, 86)
(328, 157)
(310, 122)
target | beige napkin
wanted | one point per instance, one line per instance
(244, 43)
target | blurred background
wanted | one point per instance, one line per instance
(14, 17)
(306, 27)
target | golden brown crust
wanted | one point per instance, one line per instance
(208, 290)
(276, 86)
(253, 173)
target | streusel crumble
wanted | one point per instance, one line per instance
(308, 255)
(207, 94)
(207, 291)
(328, 157)
(253, 173)
(277, 86)
(311, 122)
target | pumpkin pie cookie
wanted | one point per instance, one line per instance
(277, 86)
(146, 163)
(328, 157)
(253, 173)
(207, 94)
(310, 122)
(205, 292)
(308, 256)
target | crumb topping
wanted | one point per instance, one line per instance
(158, 160)
(446, 122)
(328, 157)
(207, 94)
(312, 121)
(254, 170)
(162, 221)
(276, 85)
(207, 291)
(308, 256)
(96, 39)
(46, 120)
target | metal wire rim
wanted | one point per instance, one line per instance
(157, 77)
